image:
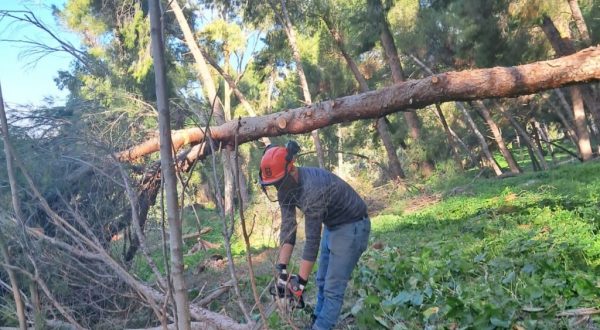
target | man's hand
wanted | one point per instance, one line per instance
(296, 285)
(282, 279)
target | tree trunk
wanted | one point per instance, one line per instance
(168, 170)
(10, 169)
(391, 53)
(291, 35)
(12, 180)
(583, 138)
(450, 86)
(20, 309)
(563, 48)
(452, 136)
(210, 94)
(543, 131)
(382, 127)
(485, 114)
(561, 115)
(340, 156)
(565, 104)
(451, 141)
(523, 134)
(580, 22)
(38, 315)
(204, 75)
(487, 155)
(536, 136)
(227, 156)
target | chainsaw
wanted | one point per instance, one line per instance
(282, 293)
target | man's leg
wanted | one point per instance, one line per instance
(346, 244)
(322, 271)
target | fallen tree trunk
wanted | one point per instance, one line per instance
(211, 319)
(495, 82)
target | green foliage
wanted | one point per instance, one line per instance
(503, 253)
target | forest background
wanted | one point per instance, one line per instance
(480, 183)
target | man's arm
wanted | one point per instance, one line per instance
(284, 258)
(305, 269)
(287, 233)
(285, 253)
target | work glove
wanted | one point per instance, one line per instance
(296, 285)
(282, 279)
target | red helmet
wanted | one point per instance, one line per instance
(273, 165)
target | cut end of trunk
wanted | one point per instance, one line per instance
(281, 123)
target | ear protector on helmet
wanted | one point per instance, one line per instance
(293, 148)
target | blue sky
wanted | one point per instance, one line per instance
(25, 81)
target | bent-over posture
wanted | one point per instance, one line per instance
(327, 202)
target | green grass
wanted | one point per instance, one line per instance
(505, 253)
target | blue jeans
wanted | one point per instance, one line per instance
(341, 247)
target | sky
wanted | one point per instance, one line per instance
(25, 81)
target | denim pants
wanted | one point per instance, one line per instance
(341, 247)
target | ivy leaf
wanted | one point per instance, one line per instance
(399, 326)
(509, 278)
(358, 306)
(402, 297)
(500, 323)
(479, 258)
(430, 311)
(528, 269)
(416, 299)
(381, 321)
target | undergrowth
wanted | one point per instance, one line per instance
(510, 253)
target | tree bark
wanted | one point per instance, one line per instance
(468, 85)
(583, 137)
(168, 169)
(391, 54)
(485, 114)
(563, 48)
(580, 22)
(381, 125)
(291, 35)
(487, 155)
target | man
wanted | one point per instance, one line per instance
(326, 201)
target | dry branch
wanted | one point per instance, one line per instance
(579, 312)
(215, 294)
(495, 82)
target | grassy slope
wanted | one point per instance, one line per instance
(495, 254)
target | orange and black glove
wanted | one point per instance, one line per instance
(296, 285)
